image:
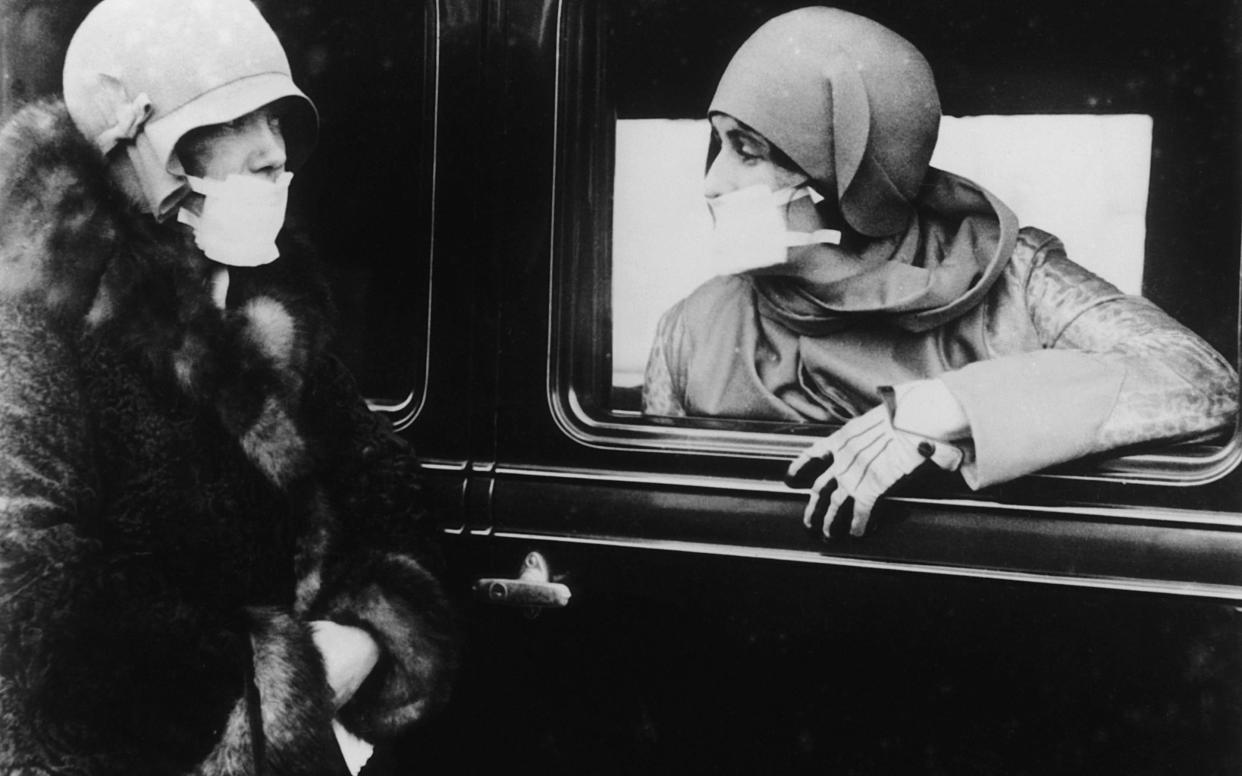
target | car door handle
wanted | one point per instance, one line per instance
(532, 588)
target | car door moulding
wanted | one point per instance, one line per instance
(1196, 590)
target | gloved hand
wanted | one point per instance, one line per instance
(349, 654)
(859, 463)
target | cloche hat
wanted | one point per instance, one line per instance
(850, 101)
(140, 74)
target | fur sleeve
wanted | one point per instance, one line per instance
(105, 665)
(381, 573)
(55, 237)
(288, 697)
(401, 605)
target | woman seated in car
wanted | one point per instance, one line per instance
(900, 300)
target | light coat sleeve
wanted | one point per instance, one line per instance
(663, 384)
(1114, 370)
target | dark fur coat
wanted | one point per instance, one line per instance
(182, 489)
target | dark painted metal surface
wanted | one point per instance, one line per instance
(1057, 625)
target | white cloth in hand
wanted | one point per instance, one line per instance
(348, 653)
(355, 750)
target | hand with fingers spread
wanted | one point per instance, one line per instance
(850, 470)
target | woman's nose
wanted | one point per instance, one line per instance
(267, 156)
(721, 177)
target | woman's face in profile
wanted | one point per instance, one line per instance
(745, 159)
(252, 144)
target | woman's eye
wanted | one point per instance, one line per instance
(748, 154)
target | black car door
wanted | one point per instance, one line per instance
(1078, 621)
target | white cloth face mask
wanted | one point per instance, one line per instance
(751, 231)
(240, 218)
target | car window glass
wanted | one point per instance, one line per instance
(1081, 177)
(1119, 136)
(364, 197)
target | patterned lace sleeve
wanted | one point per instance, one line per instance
(662, 387)
(1175, 386)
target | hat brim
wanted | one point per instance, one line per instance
(227, 102)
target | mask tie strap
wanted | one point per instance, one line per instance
(819, 236)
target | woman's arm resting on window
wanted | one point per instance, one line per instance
(850, 470)
(928, 408)
(1115, 370)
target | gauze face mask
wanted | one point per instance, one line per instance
(240, 219)
(750, 229)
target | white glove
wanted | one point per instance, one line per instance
(862, 461)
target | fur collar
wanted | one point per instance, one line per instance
(71, 242)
